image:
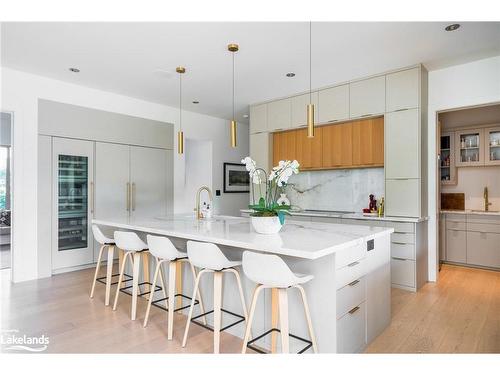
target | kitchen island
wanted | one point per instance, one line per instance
(349, 296)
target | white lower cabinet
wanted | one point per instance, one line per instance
(351, 296)
(456, 246)
(351, 330)
(483, 249)
(403, 272)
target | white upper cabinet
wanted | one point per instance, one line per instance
(402, 90)
(258, 118)
(402, 146)
(367, 97)
(299, 108)
(279, 114)
(333, 104)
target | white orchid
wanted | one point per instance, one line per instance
(283, 171)
(251, 167)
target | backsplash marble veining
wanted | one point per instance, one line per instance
(336, 190)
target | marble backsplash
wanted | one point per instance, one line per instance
(336, 190)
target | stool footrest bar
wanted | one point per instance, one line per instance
(103, 278)
(241, 319)
(155, 303)
(254, 348)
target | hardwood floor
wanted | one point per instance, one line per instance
(460, 314)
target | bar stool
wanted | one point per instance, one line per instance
(133, 246)
(164, 251)
(210, 259)
(108, 243)
(270, 271)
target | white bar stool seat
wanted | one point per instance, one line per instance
(132, 246)
(108, 243)
(164, 251)
(270, 271)
(211, 259)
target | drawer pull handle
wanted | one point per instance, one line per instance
(352, 264)
(352, 311)
(399, 243)
(398, 258)
(353, 283)
(366, 115)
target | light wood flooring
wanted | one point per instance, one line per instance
(459, 314)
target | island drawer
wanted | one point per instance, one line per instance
(403, 272)
(351, 330)
(349, 273)
(351, 296)
(401, 227)
(403, 250)
(352, 254)
(403, 237)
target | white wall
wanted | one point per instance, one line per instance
(458, 86)
(20, 93)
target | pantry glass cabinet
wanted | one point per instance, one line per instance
(492, 146)
(470, 148)
(447, 159)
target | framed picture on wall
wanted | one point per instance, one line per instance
(236, 178)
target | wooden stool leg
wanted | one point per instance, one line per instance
(274, 318)
(151, 295)
(178, 283)
(217, 309)
(191, 308)
(145, 267)
(172, 268)
(109, 273)
(164, 287)
(198, 295)
(96, 270)
(308, 317)
(248, 329)
(135, 284)
(283, 313)
(120, 278)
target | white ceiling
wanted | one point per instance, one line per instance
(139, 59)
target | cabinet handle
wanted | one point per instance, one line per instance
(91, 197)
(128, 196)
(353, 283)
(133, 196)
(352, 264)
(366, 115)
(399, 258)
(402, 109)
(399, 243)
(331, 121)
(353, 310)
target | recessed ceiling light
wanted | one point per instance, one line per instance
(196, 102)
(452, 27)
(290, 75)
(74, 70)
(245, 116)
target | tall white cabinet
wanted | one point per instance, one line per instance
(96, 164)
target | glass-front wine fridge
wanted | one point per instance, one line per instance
(73, 202)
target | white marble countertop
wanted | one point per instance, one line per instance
(296, 239)
(356, 216)
(471, 212)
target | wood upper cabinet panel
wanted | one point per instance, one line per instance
(337, 145)
(308, 150)
(368, 142)
(284, 146)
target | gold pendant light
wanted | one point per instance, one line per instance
(180, 134)
(233, 48)
(310, 106)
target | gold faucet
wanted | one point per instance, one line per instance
(198, 193)
(485, 195)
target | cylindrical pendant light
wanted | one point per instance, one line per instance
(180, 134)
(310, 106)
(233, 48)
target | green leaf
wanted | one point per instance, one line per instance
(281, 216)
